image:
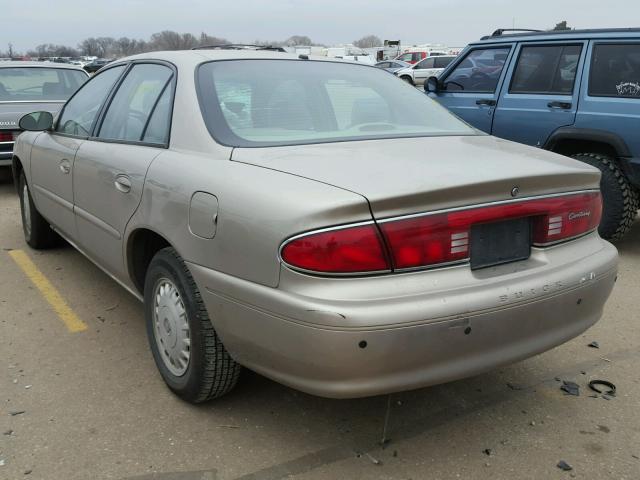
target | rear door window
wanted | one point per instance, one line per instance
(442, 62)
(479, 71)
(546, 69)
(129, 112)
(615, 70)
(426, 63)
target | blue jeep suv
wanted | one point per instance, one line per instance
(574, 92)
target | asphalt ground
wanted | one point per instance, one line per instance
(80, 398)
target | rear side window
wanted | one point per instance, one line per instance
(478, 72)
(442, 62)
(129, 112)
(546, 69)
(426, 63)
(615, 71)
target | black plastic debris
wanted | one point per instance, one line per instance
(562, 465)
(610, 389)
(570, 388)
(488, 452)
(594, 344)
(16, 412)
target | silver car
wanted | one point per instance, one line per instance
(429, 67)
(314, 220)
(29, 86)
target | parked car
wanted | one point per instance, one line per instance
(412, 57)
(328, 226)
(95, 65)
(576, 93)
(29, 86)
(417, 74)
(392, 66)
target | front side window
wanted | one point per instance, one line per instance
(547, 69)
(81, 111)
(33, 84)
(479, 71)
(289, 102)
(133, 103)
(615, 70)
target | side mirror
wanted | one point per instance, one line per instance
(432, 85)
(36, 121)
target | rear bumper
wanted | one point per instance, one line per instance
(5, 159)
(412, 340)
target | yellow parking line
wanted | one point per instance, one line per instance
(48, 291)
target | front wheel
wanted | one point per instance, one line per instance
(187, 350)
(407, 79)
(619, 199)
(37, 232)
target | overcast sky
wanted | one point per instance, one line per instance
(27, 23)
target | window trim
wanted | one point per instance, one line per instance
(452, 68)
(173, 80)
(55, 131)
(595, 44)
(554, 44)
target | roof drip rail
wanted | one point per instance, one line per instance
(239, 46)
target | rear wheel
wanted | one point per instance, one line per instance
(620, 199)
(187, 350)
(37, 232)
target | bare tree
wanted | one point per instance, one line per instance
(124, 46)
(90, 47)
(169, 40)
(209, 40)
(297, 40)
(368, 41)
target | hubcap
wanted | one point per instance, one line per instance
(171, 327)
(26, 210)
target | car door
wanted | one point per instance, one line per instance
(540, 93)
(53, 153)
(470, 89)
(111, 165)
(421, 70)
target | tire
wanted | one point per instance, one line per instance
(37, 232)
(5, 175)
(620, 199)
(407, 79)
(210, 372)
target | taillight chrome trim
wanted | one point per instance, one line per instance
(487, 204)
(329, 274)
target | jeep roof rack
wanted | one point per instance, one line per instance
(507, 32)
(500, 31)
(239, 46)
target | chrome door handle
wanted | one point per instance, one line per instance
(123, 183)
(65, 166)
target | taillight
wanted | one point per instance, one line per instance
(439, 238)
(8, 135)
(355, 249)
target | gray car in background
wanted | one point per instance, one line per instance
(29, 86)
(314, 220)
(392, 66)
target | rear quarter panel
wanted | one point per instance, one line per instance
(258, 209)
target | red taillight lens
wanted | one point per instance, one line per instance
(439, 238)
(7, 135)
(346, 250)
(444, 237)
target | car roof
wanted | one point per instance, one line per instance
(195, 57)
(500, 37)
(24, 63)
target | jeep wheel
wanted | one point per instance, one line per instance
(187, 350)
(620, 200)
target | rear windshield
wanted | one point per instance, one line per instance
(252, 103)
(28, 84)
